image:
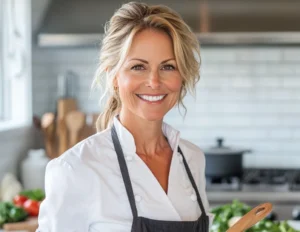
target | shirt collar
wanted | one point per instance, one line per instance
(127, 140)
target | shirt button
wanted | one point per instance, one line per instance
(194, 197)
(129, 158)
(137, 198)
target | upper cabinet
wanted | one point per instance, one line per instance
(81, 22)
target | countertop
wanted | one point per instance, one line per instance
(276, 197)
(15, 231)
(294, 224)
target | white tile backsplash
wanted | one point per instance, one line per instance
(248, 95)
(291, 55)
(291, 82)
(257, 55)
(15, 144)
(296, 135)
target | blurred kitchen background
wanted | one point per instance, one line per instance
(245, 115)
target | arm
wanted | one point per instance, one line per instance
(65, 207)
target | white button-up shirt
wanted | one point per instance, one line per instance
(85, 190)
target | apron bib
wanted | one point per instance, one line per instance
(142, 224)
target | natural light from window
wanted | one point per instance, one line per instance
(15, 64)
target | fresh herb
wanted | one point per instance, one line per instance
(224, 213)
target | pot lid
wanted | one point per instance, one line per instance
(220, 149)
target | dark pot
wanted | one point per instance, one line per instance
(224, 161)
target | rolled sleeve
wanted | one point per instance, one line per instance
(65, 207)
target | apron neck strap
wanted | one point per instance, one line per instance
(124, 171)
(192, 182)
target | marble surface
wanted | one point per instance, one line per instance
(278, 197)
(295, 224)
(14, 230)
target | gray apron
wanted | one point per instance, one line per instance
(142, 224)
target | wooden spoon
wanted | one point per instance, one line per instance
(75, 122)
(48, 126)
(251, 218)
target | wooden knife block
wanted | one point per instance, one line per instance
(64, 106)
(61, 143)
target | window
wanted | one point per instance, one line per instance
(1, 60)
(15, 63)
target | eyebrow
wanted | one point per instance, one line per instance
(146, 62)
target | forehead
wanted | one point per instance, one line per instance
(151, 43)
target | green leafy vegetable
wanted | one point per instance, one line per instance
(11, 213)
(34, 194)
(225, 212)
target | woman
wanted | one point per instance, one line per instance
(135, 174)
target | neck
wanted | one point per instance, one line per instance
(148, 135)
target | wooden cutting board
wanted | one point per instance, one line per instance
(30, 225)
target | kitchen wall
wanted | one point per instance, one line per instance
(14, 146)
(248, 95)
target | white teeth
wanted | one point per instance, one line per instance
(152, 98)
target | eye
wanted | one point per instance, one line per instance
(138, 67)
(168, 67)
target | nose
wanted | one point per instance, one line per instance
(154, 80)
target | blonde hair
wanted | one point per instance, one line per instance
(119, 32)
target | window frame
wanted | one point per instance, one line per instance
(16, 104)
(1, 64)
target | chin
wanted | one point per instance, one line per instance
(153, 116)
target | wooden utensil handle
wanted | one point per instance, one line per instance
(49, 148)
(251, 218)
(73, 138)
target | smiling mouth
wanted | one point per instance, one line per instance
(151, 98)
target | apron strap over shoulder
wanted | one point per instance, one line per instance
(124, 171)
(192, 182)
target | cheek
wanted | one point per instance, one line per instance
(175, 84)
(127, 85)
(128, 80)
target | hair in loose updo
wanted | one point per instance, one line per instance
(127, 21)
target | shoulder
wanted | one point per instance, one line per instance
(87, 149)
(78, 158)
(191, 150)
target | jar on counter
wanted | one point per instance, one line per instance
(33, 169)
